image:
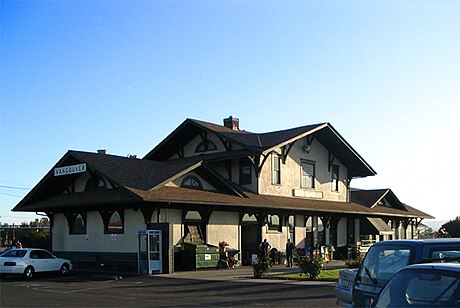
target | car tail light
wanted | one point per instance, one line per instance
(9, 264)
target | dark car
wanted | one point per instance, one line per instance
(422, 285)
(386, 258)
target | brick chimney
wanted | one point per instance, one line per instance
(232, 123)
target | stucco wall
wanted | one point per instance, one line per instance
(291, 173)
(60, 230)
(300, 231)
(95, 240)
(278, 240)
(223, 226)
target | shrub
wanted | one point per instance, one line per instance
(353, 263)
(263, 265)
(311, 265)
(354, 257)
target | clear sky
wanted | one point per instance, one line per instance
(121, 75)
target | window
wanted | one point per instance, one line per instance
(204, 146)
(382, 262)
(308, 174)
(245, 171)
(77, 223)
(191, 182)
(95, 182)
(335, 177)
(14, 253)
(276, 169)
(115, 223)
(274, 223)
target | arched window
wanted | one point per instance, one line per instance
(191, 182)
(115, 223)
(76, 222)
(204, 146)
(274, 223)
(79, 225)
(95, 182)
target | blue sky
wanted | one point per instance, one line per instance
(121, 75)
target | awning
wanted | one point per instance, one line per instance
(381, 226)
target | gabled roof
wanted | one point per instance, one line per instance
(264, 143)
(123, 172)
(371, 198)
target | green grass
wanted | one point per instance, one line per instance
(325, 275)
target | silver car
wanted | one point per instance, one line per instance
(344, 288)
(29, 261)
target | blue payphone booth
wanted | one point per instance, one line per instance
(149, 256)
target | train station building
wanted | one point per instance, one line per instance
(206, 184)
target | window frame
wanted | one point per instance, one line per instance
(207, 145)
(193, 178)
(335, 171)
(94, 182)
(111, 230)
(245, 179)
(274, 227)
(72, 230)
(276, 173)
(313, 176)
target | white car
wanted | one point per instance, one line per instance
(28, 261)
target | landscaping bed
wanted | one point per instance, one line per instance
(325, 275)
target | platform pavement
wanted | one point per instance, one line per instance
(245, 274)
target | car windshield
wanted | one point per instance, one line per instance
(422, 288)
(381, 263)
(14, 253)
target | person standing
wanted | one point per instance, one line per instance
(289, 252)
(265, 247)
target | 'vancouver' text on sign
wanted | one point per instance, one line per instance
(70, 169)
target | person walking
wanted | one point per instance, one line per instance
(289, 252)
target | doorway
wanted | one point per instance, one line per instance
(250, 240)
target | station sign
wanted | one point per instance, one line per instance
(80, 168)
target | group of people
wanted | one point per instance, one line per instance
(265, 248)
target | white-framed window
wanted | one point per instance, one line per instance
(335, 178)
(308, 174)
(276, 169)
(274, 223)
(191, 182)
(115, 223)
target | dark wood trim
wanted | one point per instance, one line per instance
(330, 160)
(285, 152)
(255, 160)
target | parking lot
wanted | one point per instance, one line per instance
(223, 288)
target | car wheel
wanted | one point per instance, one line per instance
(29, 272)
(64, 269)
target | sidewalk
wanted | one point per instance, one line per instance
(245, 274)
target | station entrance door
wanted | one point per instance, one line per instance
(149, 255)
